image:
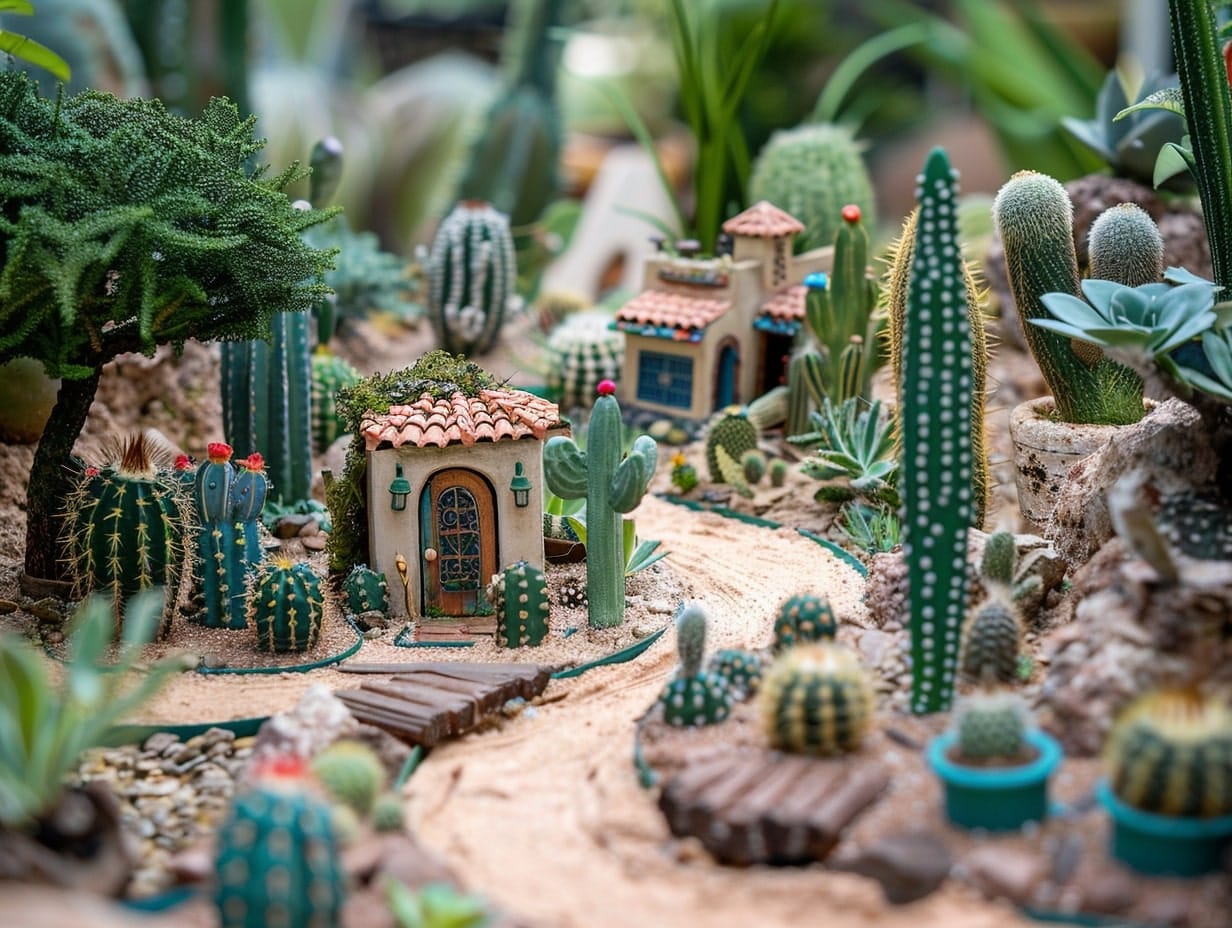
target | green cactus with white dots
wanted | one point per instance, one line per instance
(741, 669)
(522, 616)
(695, 696)
(366, 590)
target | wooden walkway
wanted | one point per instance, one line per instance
(424, 703)
(764, 807)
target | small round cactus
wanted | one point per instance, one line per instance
(991, 642)
(991, 726)
(1125, 246)
(388, 813)
(997, 564)
(741, 670)
(351, 773)
(522, 615)
(753, 464)
(366, 590)
(285, 605)
(803, 618)
(684, 474)
(778, 472)
(1170, 753)
(817, 699)
(694, 697)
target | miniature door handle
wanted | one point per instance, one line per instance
(429, 554)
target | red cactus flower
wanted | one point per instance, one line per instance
(280, 767)
(254, 462)
(182, 462)
(92, 471)
(606, 388)
(219, 452)
(851, 213)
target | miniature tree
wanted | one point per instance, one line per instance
(125, 227)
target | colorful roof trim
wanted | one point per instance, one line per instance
(493, 415)
(671, 315)
(763, 220)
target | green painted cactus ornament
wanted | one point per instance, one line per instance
(695, 696)
(611, 487)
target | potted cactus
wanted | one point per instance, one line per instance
(994, 764)
(1166, 791)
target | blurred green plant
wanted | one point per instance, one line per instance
(437, 905)
(874, 529)
(26, 49)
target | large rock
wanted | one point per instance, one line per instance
(909, 866)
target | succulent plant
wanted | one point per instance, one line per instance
(1124, 245)
(778, 472)
(803, 618)
(471, 277)
(856, 443)
(741, 669)
(366, 590)
(991, 725)
(285, 605)
(522, 616)
(351, 773)
(817, 699)
(735, 434)
(753, 465)
(684, 474)
(694, 696)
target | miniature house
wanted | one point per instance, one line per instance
(455, 493)
(707, 333)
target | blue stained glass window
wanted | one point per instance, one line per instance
(458, 541)
(666, 379)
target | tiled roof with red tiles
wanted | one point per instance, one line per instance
(671, 311)
(763, 220)
(493, 415)
(787, 304)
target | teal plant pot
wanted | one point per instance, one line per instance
(995, 798)
(1165, 845)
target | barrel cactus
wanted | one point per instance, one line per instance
(351, 773)
(817, 699)
(991, 642)
(991, 725)
(277, 859)
(471, 277)
(388, 813)
(522, 616)
(803, 618)
(366, 590)
(582, 352)
(285, 605)
(694, 696)
(330, 374)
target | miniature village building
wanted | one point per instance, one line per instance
(706, 333)
(455, 493)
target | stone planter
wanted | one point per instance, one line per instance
(1045, 449)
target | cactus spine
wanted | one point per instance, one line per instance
(1125, 246)
(1034, 217)
(227, 503)
(937, 460)
(694, 697)
(266, 403)
(285, 605)
(817, 699)
(735, 434)
(366, 590)
(277, 860)
(1171, 753)
(897, 288)
(471, 276)
(803, 618)
(611, 487)
(351, 773)
(124, 529)
(522, 617)
(990, 726)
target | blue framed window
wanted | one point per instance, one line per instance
(666, 379)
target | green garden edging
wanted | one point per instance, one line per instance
(295, 668)
(616, 657)
(119, 735)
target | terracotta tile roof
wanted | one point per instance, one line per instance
(787, 304)
(671, 310)
(763, 220)
(493, 415)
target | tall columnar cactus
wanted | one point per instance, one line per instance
(991, 725)
(228, 503)
(124, 526)
(694, 696)
(471, 277)
(1034, 217)
(1169, 753)
(285, 605)
(802, 385)
(937, 460)
(330, 374)
(817, 699)
(266, 403)
(366, 590)
(803, 618)
(1125, 246)
(522, 617)
(897, 289)
(611, 487)
(812, 171)
(735, 434)
(277, 861)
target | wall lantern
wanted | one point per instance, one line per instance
(399, 489)
(520, 485)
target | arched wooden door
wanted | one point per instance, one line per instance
(458, 543)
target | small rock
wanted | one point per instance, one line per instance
(314, 542)
(290, 525)
(213, 661)
(1005, 872)
(909, 866)
(1109, 892)
(643, 631)
(875, 645)
(159, 742)
(55, 636)
(659, 607)
(7, 606)
(47, 610)
(151, 786)
(371, 634)
(373, 618)
(311, 527)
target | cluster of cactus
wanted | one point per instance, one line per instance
(1170, 753)
(803, 618)
(522, 616)
(741, 669)
(778, 472)
(612, 484)
(330, 374)
(471, 277)
(812, 171)
(991, 725)
(937, 460)
(267, 400)
(695, 696)
(581, 352)
(285, 605)
(366, 590)
(684, 474)
(1034, 218)
(817, 699)
(735, 435)
(277, 860)
(124, 526)
(351, 773)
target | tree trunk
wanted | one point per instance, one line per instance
(51, 478)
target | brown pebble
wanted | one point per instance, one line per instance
(54, 637)
(7, 606)
(46, 610)
(310, 528)
(314, 543)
